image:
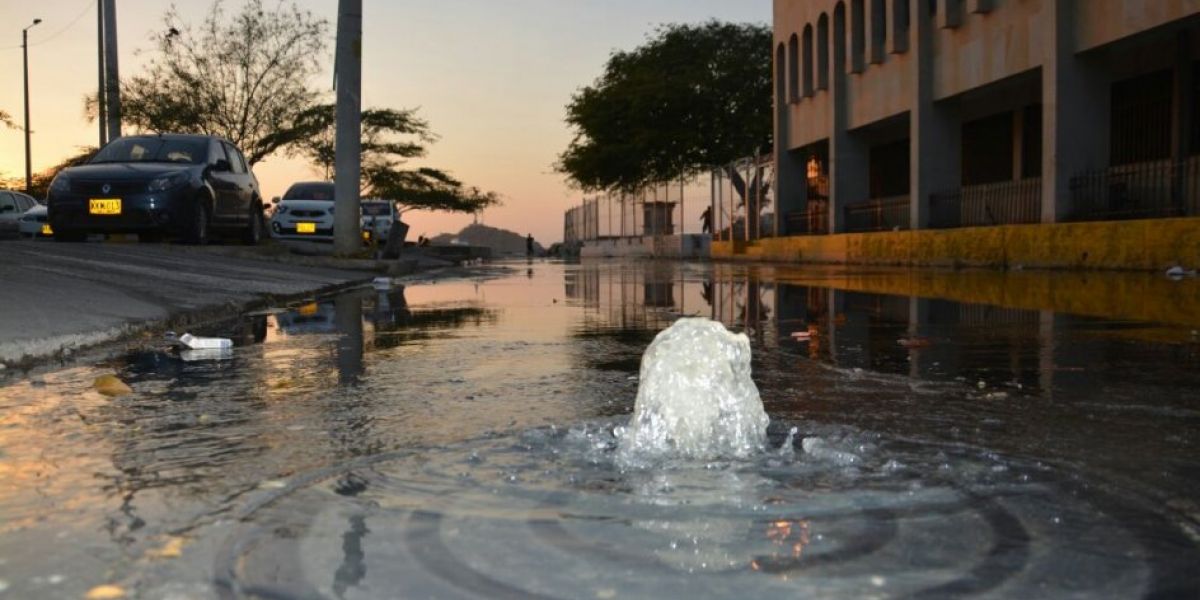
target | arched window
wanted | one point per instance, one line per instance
(780, 76)
(858, 37)
(878, 31)
(808, 61)
(794, 69)
(823, 52)
(900, 18)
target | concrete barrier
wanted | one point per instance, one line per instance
(1151, 244)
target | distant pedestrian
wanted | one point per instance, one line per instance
(529, 245)
(706, 220)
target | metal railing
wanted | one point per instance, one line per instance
(1139, 191)
(1001, 203)
(883, 214)
(812, 221)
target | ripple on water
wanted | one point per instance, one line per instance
(551, 514)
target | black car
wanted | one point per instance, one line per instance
(183, 185)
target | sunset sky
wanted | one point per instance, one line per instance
(491, 77)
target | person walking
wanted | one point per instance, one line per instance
(706, 220)
(529, 246)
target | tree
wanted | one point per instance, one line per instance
(692, 99)
(245, 78)
(389, 139)
(41, 181)
(6, 120)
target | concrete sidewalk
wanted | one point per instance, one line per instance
(59, 297)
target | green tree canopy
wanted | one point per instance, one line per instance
(244, 76)
(389, 139)
(692, 99)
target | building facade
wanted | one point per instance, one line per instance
(920, 114)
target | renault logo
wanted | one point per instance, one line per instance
(106, 189)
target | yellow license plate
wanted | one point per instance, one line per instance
(46, 229)
(306, 227)
(104, 206)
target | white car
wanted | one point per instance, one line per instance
(33, 223)
(12, 207)
(305, 213)
(377, 219)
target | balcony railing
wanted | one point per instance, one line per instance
(883, 214)
(812, 221)
(1002, 203)
(1139, 191)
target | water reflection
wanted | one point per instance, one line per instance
(1004, 338)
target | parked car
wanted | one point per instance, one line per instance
(184, 185)
(33, 223)
(12, 206)
(377, 219)
(305, 212)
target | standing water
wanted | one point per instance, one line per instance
(931, 435)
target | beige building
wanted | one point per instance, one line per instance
(898, 114)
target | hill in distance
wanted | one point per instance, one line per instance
(501, 241)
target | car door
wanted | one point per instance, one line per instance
(10, 213)
(224, 183)
(245, 180)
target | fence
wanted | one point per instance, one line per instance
(812, 221)
(1003, 203)
(883, 214)
(1140, 191)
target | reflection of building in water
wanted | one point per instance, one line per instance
(648, 296)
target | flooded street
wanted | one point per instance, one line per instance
(934, 434)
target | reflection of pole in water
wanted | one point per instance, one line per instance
(353, 570)
(348, 321)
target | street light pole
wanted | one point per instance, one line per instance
(25, 57)
(348, 136)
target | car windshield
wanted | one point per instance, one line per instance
(154, 149)
(376, 209)
(310, 191)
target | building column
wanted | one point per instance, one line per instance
(935, 129)
(1183, 106)
(1018, 145)
(1076, 99)
(848, 164)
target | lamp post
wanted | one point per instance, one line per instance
(25, 52)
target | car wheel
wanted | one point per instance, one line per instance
(254, 229)
(73, 237)
(197, 234)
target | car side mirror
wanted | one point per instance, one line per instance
(222, 165)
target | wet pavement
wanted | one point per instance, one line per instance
(934, 434)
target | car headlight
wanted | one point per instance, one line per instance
(166, 183)
(61, 184)
(281, 209)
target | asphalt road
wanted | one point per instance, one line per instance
(63, 296)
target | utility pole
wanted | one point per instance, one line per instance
(25, 57)
(348, 140)
(101, 103)
(112, 82)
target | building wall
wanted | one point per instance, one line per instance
(973, 59)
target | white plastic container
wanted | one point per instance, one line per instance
(201, 343)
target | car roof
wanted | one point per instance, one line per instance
(178, 136)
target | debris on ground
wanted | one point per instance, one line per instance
(105, 592)
(913, 343)
(112, 386)
(191, 342)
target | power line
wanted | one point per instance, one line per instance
(90, 5)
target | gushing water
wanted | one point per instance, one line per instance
(696, 399)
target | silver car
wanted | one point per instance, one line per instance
(33, 223)
(305, 213)
(12, 207)
(377, 219)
